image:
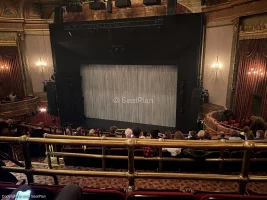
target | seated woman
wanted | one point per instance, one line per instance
(148, 151)
(176, 151)
(204, 135)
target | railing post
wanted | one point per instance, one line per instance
(160, 159)
(103, 158)
(130, 144)
(245, 166)
(221, 157)
(27, 157)
(48, 156)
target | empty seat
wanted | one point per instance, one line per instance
(72, 160)
(160, 196)
(120, 163)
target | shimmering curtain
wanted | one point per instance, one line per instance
(108, 88)
(10, 72)
(252, 77)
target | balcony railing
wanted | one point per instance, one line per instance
(243, 178)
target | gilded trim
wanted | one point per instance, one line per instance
(257, 34)
(219, 23)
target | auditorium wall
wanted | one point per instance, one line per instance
(38, 45)
(218, 43)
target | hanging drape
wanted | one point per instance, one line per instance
(252, 77)
(10, 72)
(143, 94)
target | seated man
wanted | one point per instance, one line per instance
(257, 123)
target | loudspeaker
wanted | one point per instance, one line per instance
(97, 5)
(52, 98)
(58, 15)
(109, 6)
(122, 3)
(151, 2)
(171, 7)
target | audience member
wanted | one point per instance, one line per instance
(168, 135)
(250, 136)
(128, 133)
(234, 136)
(257, 123)
(112, 131)
(259, 135)
(148, 151)
(204, 135)
(68, 130)
(144, 135)
(154, 134)
(176, 151)
(80, 131)
(222, 135)
(136, 132)
(192, 135)
(91, 132)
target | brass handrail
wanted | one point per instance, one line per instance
(243, 178)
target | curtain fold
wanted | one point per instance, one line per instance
(143, 94)
(10, 72)
(252, 77)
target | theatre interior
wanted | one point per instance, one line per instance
(133, 99)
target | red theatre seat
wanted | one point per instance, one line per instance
(231, 197)
(160, 196)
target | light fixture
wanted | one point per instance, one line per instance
(255, 72)
(41, 63)
(42, 109)
(216, 66)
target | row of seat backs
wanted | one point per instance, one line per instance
(140, 152)
(103, 194)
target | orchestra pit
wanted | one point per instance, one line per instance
(133, 99)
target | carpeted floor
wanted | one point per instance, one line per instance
(121, 183)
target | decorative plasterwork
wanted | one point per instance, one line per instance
(238, 8)
(254, 27)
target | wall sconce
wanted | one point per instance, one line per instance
(255, 72)
(41, 63)
(216, 66)
(3, 67)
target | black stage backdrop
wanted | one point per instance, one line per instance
(166, 40)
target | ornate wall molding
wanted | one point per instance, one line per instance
(236, 9)
(232, 77)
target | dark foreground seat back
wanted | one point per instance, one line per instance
(231, 197)
(160, 196)
(102, 194)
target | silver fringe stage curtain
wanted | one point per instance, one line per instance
(143, 94)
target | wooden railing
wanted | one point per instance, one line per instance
(243, 178)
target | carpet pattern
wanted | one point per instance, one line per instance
(122, 183)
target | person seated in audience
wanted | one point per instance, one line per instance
(257, 123)
(192, 135)
(234, 136)
(69, 192)
(148, 151)
(204, 135)
(112, 131)
(68, 130)
(80, 132)
(128, 133)
(168, 135)
(259, 135)
(176, 151)
(136, 132)
(244, 133)
(144, 135)
(91, 132)
(250, 136)
(221, 136)
(12, 97)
